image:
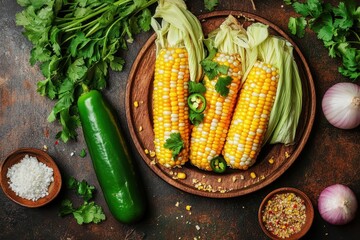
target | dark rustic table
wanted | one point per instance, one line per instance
(330, 156)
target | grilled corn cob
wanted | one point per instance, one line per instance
(251, 116)
(179, 52)
(207, 138)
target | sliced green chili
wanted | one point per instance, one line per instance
(197, 102)
(218, 164)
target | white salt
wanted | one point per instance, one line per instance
(30, 179)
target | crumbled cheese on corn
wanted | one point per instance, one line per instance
(30, 179)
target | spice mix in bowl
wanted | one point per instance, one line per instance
(30, 177)
(286, 213)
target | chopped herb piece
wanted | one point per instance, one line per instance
(175, 144)
(210, 4)
(222, 84)
(82, 153)
(196, 87)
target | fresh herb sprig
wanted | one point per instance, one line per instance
(88, 211)
(337, 26)
(210, 5)
(175, 144)
(76, 43)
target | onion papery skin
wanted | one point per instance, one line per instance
(341, 105)
(337, 204)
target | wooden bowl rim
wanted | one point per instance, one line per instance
(160, 172)
(15, 157)
(309, 212)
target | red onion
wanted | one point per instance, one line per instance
(341, 105)
(337, 204)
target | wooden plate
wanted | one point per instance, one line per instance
(234, 182)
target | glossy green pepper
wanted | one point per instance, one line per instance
(197, 102)
(218, 164)
(110, 157)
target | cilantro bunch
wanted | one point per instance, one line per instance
(75, 44)
(88, 211)
(337, 26)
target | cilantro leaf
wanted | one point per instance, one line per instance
(89, 212)
(82, 153)
(344, 18)
(82, 188)
(175, 144)
(66, 207)
(195, 87)
(210, 4)
(297, 26)
(196, 118)
(222, 84)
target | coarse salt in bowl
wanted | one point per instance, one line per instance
(30, 177)
(286, 213)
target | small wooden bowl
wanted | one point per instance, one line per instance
(14, 158)
(309, 213)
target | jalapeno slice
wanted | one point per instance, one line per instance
(197, 102)
(218, 164)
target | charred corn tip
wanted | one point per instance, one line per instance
(207, 139)
(251, 116)
(170, 111)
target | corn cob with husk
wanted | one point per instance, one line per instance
(270, 100)
(179, 47)
(226, 46)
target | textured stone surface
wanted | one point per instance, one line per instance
(330, 156)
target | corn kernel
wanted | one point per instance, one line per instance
(271, 160)
(181, 175)
(140, 128)
(146, 151)
(287, 155)
(252, 175)
(152, 154)
(136, 104)
(188, 207)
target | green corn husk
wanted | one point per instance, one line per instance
(180, 28)
(229, 38)
(287, 107)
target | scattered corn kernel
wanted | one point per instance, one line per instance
(181, 175)
(219, 180)
(234, 179)
(188, 207)
(177, 204)
(152, 154)
(136, 104)
(140, 128)
(287, 155)
(146, 151)
(252, 175)
(271, 160)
